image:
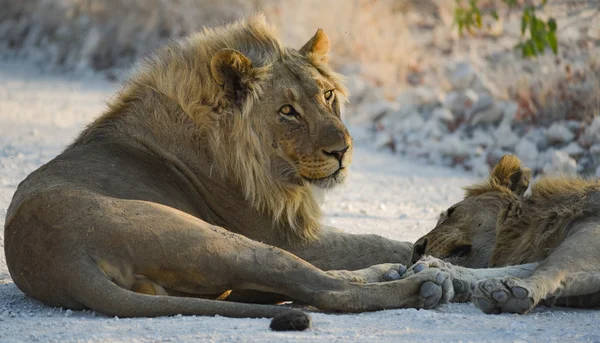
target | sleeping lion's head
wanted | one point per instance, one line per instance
(466, 232)
(270, 115)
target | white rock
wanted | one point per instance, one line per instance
(483, 102)
(505, 137)
(574, 150)
(443, 115)
(413, 122)
(489, 115)
(592, 132)
(527, 152)
(480, 166)
(434, 129)
(561, 163)
(510, 113)
(460, 102)
(595, 151)
(558, 133)
(538, 137)
(482, 138)
(366, 112)
(462, 75)
(453, 146)
(427, 95)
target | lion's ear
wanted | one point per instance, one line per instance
(317, 47)
(509, 173)
(231, 69)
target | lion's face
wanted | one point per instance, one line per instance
(466, 232)
(297, 114)
(301, 116)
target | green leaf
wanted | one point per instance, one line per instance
(552, 25)
(495, 15)
(530, 48)
(524, 21)
(553, 42)
(540, 43)
(533, 27)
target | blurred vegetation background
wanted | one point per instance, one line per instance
(444, 81)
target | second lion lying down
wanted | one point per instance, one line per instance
(544, 247)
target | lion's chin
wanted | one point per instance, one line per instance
(336, 178)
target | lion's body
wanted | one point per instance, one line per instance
(197, 182)
(552, 236)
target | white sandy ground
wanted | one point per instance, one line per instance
(391, 196)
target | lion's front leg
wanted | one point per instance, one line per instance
(464, 280)
(568, 277)
(337, 250)
(376, 273)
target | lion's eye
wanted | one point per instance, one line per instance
(288, 110)
(328, 95)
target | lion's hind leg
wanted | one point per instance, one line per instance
(571, 271)
(183, 253)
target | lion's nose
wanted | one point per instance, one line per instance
(419, 249)
(339, 154)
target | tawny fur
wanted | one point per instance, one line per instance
(195, 193)
(181, 72)
(556, 226)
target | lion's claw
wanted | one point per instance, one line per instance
(394, 274)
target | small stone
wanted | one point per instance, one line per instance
(453, 146)
(443, 115)
(527, 152)
(559, 134)
(484, 101)
(462, 75)
(574, 150)
(561, 163)
(505, 137)
(402, 270)
(460, 102)
(592, 133)
(434, 129)
(481, 138)
(490, 115)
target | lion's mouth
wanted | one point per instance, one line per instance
(327, 181)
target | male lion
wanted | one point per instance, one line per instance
(196, 186)
(550, 240)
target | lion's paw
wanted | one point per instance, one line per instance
(500, 295)
(436, 288)
(427, 262)
(462, 288)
